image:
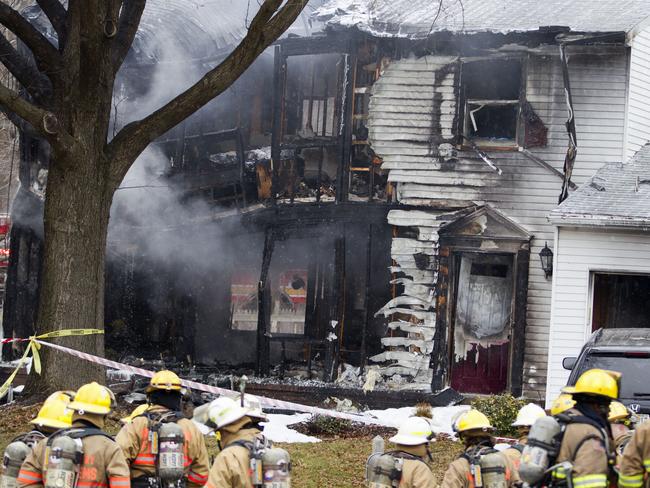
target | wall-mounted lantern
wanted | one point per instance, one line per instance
(546, 256)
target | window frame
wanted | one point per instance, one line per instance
(465, 102)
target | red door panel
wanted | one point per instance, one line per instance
(487, 373)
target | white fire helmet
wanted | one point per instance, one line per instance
(413, 432)
(224, 411)
(254, 407)
(528, 414)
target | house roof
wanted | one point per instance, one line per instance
(420, 18)
(617, 196)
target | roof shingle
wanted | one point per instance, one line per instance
(617, 195)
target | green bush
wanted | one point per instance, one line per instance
(324, 425)
(502, 412)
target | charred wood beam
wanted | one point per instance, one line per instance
(263, 305)
(540, 162)
(570, 124)
(439, 362)
(337, 311)
(279, 81)
(366, 312)
(345, 130)
(292, 46)
(519, 332)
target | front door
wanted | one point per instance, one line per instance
(482, 321)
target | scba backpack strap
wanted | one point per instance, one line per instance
(582, 419)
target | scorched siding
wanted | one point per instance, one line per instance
(579, 253)
(412, 112)
(637, 132)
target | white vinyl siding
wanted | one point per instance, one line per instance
(579, 253)
(637, 131)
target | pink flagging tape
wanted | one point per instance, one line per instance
(266, 402)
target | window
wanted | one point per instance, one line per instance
(288, 281)
(621, 301)
(492, 101)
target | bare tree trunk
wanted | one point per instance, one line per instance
(76, 220)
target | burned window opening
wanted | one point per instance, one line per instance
(367, 180)
(492, 95)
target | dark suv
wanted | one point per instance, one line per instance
(624, 350)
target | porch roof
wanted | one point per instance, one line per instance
(618, 195)
(421, 18)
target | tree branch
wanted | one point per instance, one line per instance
(264, 30)
(55, 11)
(32, 80)
(126, 29)
(44, 122)
(45, 53)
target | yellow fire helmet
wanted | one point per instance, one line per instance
(164, 380)
(472, 420)
(93, 398)
(618, 412)
(137, 411)
(598, 382)
(55, 412)
(562, 403)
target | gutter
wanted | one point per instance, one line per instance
(581, 220)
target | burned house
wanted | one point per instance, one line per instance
(464, 109)
(374, 193)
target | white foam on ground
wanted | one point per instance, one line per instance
(277, 430)
(440, 422)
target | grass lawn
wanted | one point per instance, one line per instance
(332, 463)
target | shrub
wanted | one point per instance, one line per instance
(324, 425)
(502, 412)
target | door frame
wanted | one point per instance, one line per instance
(456, 257)
(450, 252)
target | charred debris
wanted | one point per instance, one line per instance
(283, 246)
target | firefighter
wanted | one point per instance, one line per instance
(411, 455)
(496, 470)
(95, 459)
(53, 415)
(620, 421)
(139, 438)
(137, 411)
(526, 417)
(562, 403)
(240, 432)
(586, 453)
(634, 466)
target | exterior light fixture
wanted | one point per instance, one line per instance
(546, 257)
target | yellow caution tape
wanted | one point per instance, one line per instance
(33, 348)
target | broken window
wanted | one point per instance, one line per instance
(491, 92)
(311, 108)
(311, 94)
(620, 300)
(288, 278)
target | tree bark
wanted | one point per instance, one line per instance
(76, 220)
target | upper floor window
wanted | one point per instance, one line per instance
(492, 101)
